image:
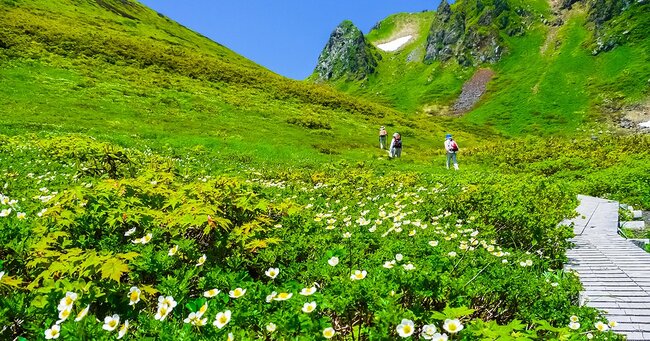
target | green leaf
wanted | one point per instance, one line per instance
(113, 269)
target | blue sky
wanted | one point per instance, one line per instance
(285, 36)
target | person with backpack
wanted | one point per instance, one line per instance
(382, 137)
(396, 146)
(452, 148)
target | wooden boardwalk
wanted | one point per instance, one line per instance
(614, 272)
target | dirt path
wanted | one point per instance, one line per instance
(473, 89)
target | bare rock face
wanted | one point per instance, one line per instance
(471, 33)
(473, 90)
(347, 54)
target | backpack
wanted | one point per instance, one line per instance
(398, 143)
(454, 146)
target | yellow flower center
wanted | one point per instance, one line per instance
(452, 327)
(112, 324)
(68, 300)
(163, 310)
(134, 296)
(283, 295)
(65, 313)
(223, 319)
(54, 332)
(329, 333)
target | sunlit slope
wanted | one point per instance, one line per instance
(120, 71)
(548, 81)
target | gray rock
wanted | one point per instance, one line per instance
(347, 54)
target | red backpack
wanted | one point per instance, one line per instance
(454, 146)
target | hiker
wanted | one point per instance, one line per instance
(452, 148)
(396, 146)
(382, 137)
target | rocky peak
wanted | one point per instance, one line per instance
(346, 54)
(452, 34)
(444, 11)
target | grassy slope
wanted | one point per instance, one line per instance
(533, 92)
(150, 81)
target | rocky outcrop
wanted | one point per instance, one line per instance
(473, 90)
(600, 13)
(347, 55)
(470, 33)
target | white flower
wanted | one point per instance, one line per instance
(406, 328)
(64, 314)
(283, 296)
(231, 337)
(272, 272)
(137, 241)
(129, 232)
(601, 326)
(428, 331)
(270, 297)
(358, 275)
(5, 213)
(333, 261)
(347, 235)
(111, 322)
(529, 262)
(590, 336)
(573, 318)
(522, 263)
(202, 310)
(439, 337)
(201, 260)
(2, 274)
(173, 250)
(399, 257)
(222, 319)
(169, 301)
(123, 329)
(20, 215)
(211, 293)
(409, 267)
(452, 326)
(389, 264)
(328, 332)
(308, 291)
(433, 243)
(146, 238)
(237, 293)
(504, 261)
(452, 254)
(574, 325)
(134, 295)
(613, 324)
(67, 301)
(554, 284)
(308, 307)
(53, 332)
(195, 319)
(271, 327)
(163, 311)
(82, 313)
(412, 233)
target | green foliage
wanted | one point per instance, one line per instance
(472, 247)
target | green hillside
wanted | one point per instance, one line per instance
(548, 80)
(122, 72)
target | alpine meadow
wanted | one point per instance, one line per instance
(156, 185)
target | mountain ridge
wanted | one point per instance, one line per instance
(587, 32)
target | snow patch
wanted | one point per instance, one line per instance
(394, 45)
(645, 124)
